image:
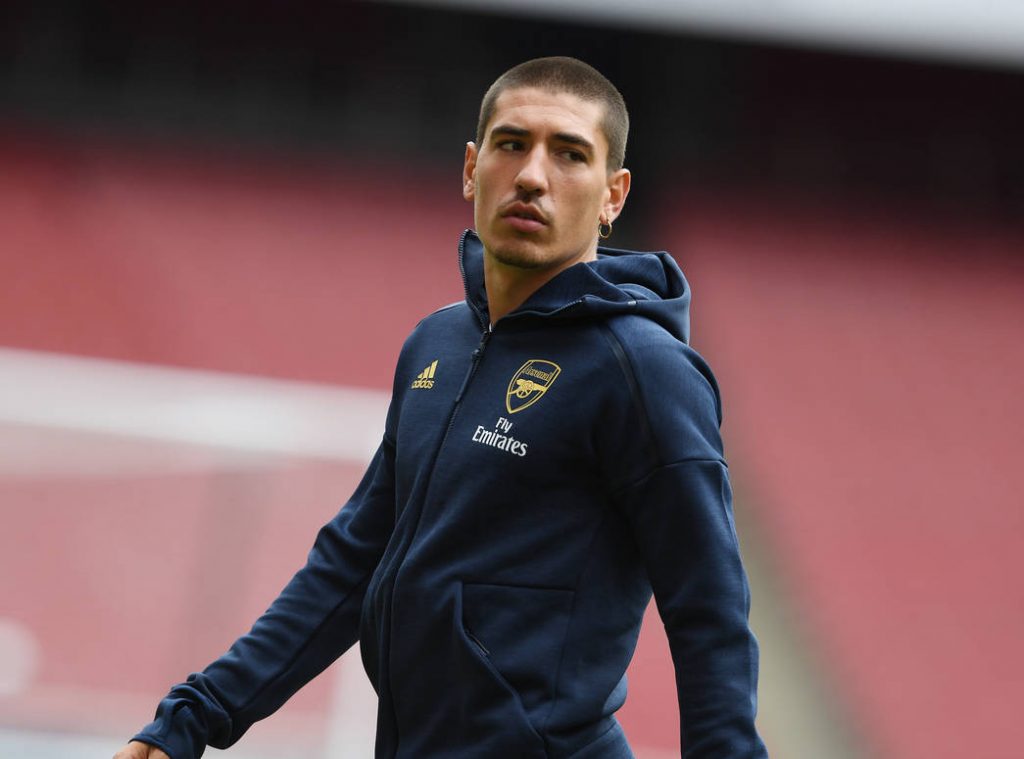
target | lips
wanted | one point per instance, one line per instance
(524, 217)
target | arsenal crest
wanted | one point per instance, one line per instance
(529, 384)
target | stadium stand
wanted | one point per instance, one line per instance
(871, 361)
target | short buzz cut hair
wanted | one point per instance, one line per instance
(563, 74)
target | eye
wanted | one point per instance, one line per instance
(510, 146)
(575, 156)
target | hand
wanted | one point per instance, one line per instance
(140, 750)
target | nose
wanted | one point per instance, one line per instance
(532, 178)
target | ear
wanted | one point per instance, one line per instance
(615, 197)
(469, 172)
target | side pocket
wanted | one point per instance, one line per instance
(521, 632)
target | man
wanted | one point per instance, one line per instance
(551, 454)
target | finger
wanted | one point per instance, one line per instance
(132, 751)
(139, 750)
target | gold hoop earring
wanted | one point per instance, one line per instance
(601, 227)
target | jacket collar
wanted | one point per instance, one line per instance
(618, 282)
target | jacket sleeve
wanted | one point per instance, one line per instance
(312, 622)
(677, 499)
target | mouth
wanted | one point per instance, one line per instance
(524, 217)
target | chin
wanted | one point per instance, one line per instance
(521, 253)
(518, 257)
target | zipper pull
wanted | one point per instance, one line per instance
(475, 360)
(483, 343)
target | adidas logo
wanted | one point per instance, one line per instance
(425, 379)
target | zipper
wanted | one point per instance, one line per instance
(555, 312)
(400, 559)
(476, 641)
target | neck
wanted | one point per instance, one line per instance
(508, 287)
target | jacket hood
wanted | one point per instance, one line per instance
(618, 282)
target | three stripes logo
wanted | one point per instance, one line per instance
(425, 379)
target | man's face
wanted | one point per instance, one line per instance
(539, 181)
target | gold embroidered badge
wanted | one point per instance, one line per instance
(529, 384)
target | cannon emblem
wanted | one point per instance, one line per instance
(529, 384)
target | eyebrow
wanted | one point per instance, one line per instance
(510, 130)
(569, 137)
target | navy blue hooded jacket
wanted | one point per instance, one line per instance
(535, 482)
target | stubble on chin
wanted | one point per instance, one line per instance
(518, 257)
(518, 250)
